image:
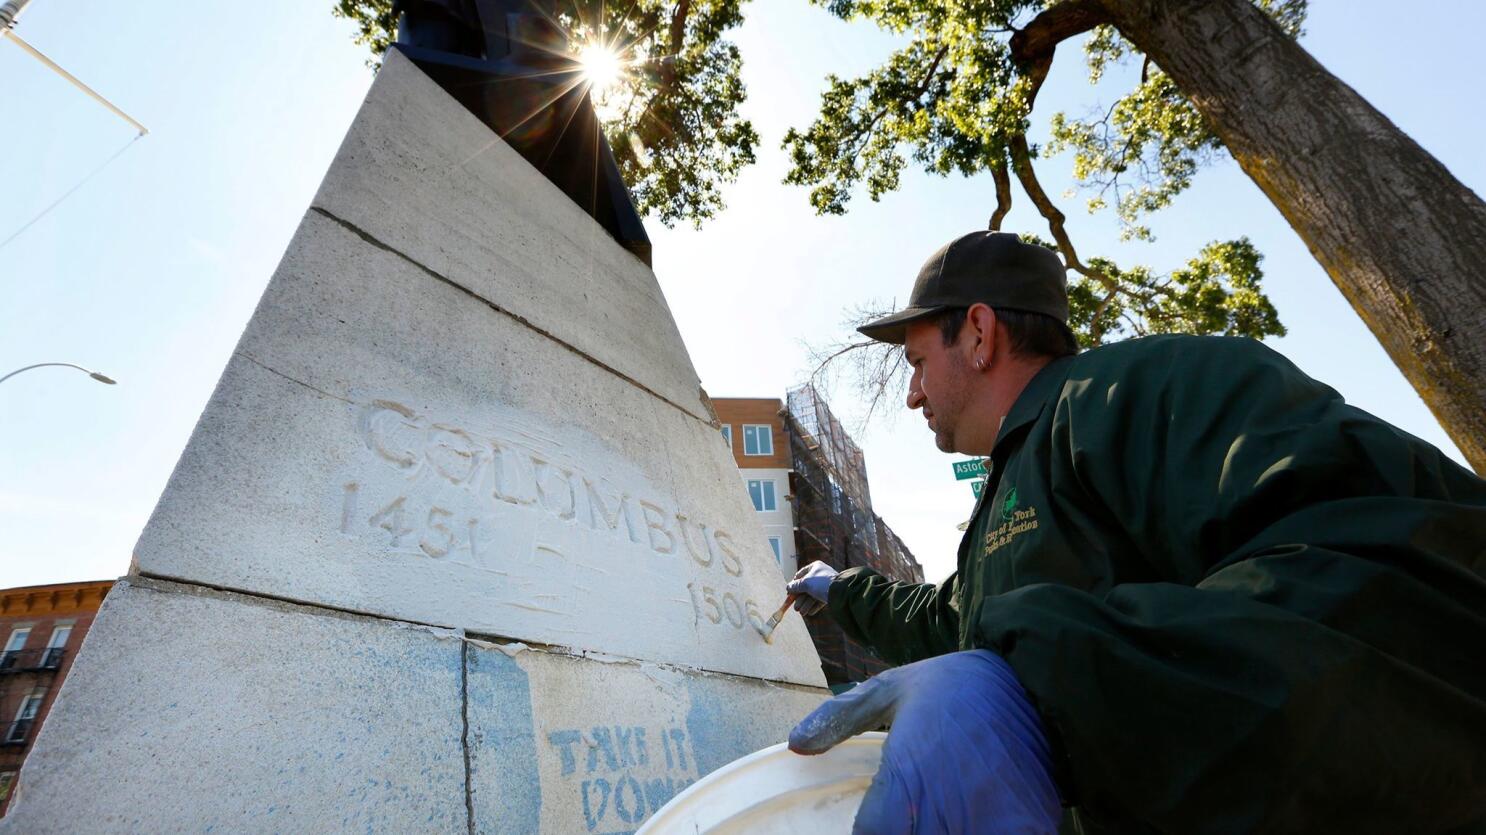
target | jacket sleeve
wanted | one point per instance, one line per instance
(1317, 665)
(901, 622)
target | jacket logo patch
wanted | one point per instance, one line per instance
(1014, 523)
(1008, 507)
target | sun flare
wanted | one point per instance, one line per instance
(601, 67)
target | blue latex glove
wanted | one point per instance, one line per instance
(966, 752)
(813, 585)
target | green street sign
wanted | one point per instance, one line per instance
(977, 487)
(974, 468)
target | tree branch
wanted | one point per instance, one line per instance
(1096, 328)
(1003, 195)
(1034, 43)
(673, 43)
(1032, 48)
(1021, 159)
(667, 76)
(923, 86)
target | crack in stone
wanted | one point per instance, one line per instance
(464, 736)
(275, 371)
(369, 238)
(180, 585)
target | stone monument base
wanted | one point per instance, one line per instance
(461, 410)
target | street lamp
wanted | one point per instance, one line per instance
(102, 378)
(10, 10)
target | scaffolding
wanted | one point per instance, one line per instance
(834, 522)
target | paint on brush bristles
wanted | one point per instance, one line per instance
(768, 628)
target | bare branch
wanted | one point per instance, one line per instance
(877, 370)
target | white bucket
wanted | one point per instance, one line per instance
(776, 792)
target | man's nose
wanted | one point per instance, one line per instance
(915, 398)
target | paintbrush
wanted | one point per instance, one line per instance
(768, 629)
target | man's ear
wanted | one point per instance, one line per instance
(980, 320)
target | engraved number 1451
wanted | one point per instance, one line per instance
(437, 537)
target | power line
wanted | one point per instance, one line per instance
(9, 11)
(55, 203)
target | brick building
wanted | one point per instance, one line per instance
(808, 482)
(42, 627)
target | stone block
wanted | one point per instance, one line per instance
(191, 710)
(384, 442)
(420, 175)
(564, 744)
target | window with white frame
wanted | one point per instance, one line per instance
(13, 647)
(758, 439)
(778, 545)
(727, 434)
(7, 780)
(25, 717)
(60, 634)
(18, 639)
(55, 646)
(761, 490)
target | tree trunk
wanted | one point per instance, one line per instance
(1402, 239)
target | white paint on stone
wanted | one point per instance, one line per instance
(202, 711)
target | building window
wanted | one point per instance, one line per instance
(758, 439)
(7, 779)
(56, 646)
(25, 717)
(727, 434)
(778, 545)
(14, 646)
(59, 636)
(762, 493)
(18, 639)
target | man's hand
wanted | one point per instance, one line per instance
(966, 752)
(812, 584)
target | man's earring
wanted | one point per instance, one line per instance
(980, 364)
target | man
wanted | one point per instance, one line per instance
(1199, 593)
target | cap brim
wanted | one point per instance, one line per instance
(893, 328)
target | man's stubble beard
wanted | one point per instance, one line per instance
(952, 401)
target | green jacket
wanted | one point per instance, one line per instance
(1239, 604)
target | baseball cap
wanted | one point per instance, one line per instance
(996, 268)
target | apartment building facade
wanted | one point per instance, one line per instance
(808, 482)
(754, 430)
(42, 627)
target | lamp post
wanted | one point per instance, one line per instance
(102, 378)
(10, 10)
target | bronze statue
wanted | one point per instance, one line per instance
(508, 63)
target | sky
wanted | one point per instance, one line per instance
(149, 271)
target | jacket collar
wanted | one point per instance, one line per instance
(1044, 386)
